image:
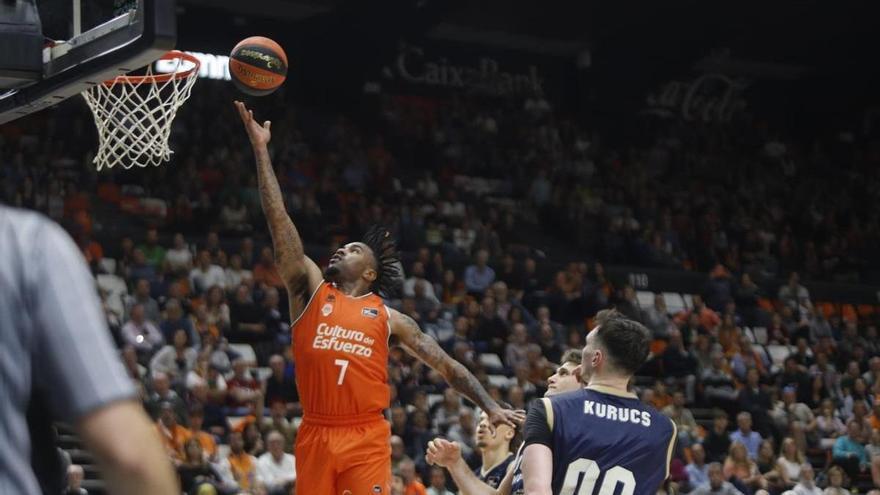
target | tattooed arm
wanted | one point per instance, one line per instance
(424, 347)
(300, 274)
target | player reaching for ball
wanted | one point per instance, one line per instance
(340, 345)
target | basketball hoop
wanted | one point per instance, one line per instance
(133, 114)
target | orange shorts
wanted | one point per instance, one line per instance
(343, 460)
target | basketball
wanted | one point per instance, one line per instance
(258, 66)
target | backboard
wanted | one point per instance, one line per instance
(131, 35)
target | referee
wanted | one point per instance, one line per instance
(57, 362)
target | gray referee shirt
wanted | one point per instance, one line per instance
(52, 334)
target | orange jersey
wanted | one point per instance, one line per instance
(340, 347)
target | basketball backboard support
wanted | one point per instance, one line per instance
(128, 41)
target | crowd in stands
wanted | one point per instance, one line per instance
(769, 391)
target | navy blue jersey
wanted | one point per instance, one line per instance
(516, 486)
(494, 476)
(603, 442)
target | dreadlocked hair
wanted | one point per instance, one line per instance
(389, 278)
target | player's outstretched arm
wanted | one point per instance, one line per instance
(426, 348)
(300, 274)
(447, 454)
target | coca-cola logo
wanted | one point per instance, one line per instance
(708, 98)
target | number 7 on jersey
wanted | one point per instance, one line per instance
(343, 364)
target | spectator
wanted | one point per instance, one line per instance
(398, 453)
(857, 396)
(678, 366)
(235, 272)
(795, 377)
(75, 476)
(278, 421)
(423, 303)
(697, 470)
(134, 369)
(175, 360)
(835, 482)
(161, 394)
(796, 420)
(660, 398)
(418, 433)
(683, 418)
(830, 377)
(717, 380)
(464, 432)
(206, 274)
(398, 421)
(243, 390)
(757, 402)
(872, 376)
(417, 276)
(242, 465)
(628, 305)
(490, 328)
(206, 440)
(708, 318)
(740, 466)
(716, 484)
(829, 425)
(265, 271)
(234, 216)
(438, 482)
(479, 276)
(282, 388)
(216, 309)
(153, 252)
(412, 484)
(277, 468)
(793, 294)
(656, 318)
(849, 453)
(719, 288)
(195, 473)
(515, 350)
(173, 435)
(142, 296)
(141, 333)
(807, 484)
(247, 319)
(717, 441)
(179, 257)
(767, 462)
(751, 440)
(175, 320)
(397, 484)
(790, 462)
(860, 417)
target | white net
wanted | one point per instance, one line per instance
(133, 114)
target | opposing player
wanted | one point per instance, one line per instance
(341, 330)
(448, 454)
(602, 437)
(495, 451)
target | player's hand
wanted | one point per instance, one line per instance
(258, 134)
(509, 417)
(442, 453)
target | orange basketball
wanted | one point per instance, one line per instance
(258, 65)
